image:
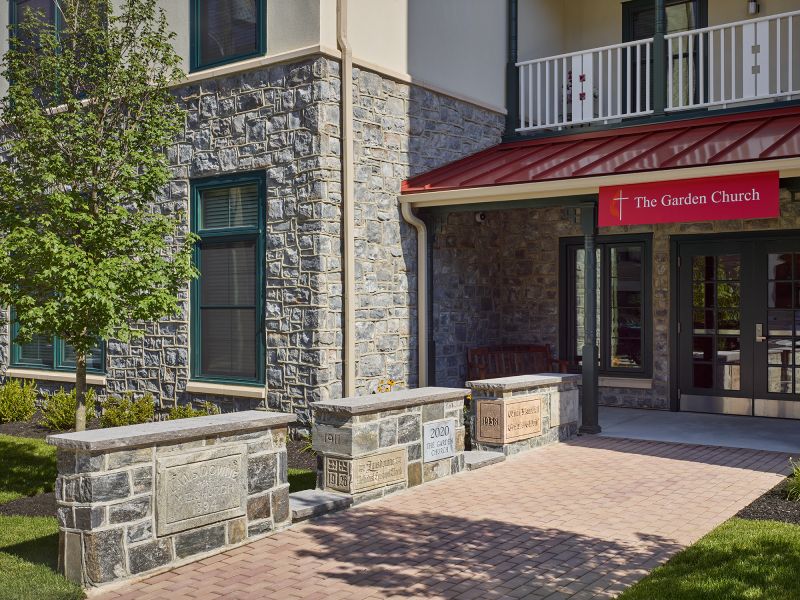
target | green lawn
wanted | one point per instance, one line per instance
(740, 560)
(29, 545)
(27, 467)
(28, 556)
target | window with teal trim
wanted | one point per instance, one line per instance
(23, 11)
(224, 31)
(53, 354)
(227, 322)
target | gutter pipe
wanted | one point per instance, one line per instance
(422, 290)
(348, 203)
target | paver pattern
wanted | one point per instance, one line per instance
(578, 520)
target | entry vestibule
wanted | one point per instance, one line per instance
(500, 280)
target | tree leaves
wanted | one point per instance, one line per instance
(88, 244)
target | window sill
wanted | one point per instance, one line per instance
(226, 389)
(624, 382)
(57, 376)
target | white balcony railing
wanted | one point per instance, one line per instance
(745, 62)
(590, 86)
(758, 59)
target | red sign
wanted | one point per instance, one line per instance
(751, 196)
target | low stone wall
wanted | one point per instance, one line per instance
(513, 414)
(139, 498)
(375, 445)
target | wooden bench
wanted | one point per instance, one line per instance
(490, 362)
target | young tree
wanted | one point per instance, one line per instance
(86, 249)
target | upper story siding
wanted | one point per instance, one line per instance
(553, 27)
(455, 46)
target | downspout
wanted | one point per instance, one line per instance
(512, 72)
(422, 290)
(348, 206)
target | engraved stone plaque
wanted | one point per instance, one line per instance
(337, 473)
(523, 418)
(332, 440)
(199, 488)
(366, 473)
(490, 421)
(509, 420)
(438, 440)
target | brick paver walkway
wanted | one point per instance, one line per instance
(578, 520)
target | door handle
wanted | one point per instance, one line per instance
(760, 332)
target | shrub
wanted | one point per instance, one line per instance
(127, 410)
(793, 487)
(17, 401)
(187, 411)
(58, 410)
(308, 444)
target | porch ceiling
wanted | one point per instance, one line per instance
(580, 163)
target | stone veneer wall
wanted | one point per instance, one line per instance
(372, 446)
(284, 120)
(110, 502)
(497, 283)
(506, 408)
(400, 131)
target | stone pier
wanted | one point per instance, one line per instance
(513, 414)
(136, 499)
(375, 445)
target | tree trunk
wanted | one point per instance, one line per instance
(80, 391)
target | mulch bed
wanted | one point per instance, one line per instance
(42, 505)
(28, 429)
(32, 428)
(773, 506)
(298, 459)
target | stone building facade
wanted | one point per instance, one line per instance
(284, 121)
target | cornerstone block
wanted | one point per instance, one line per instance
(439, 440)
(366, 473)
(505, 421)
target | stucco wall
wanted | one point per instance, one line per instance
(456, 45)
(552, 27)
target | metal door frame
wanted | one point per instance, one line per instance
(753, 244)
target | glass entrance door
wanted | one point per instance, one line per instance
(715, 342)
(739, 327)
(777, 330)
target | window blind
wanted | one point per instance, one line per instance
(227, 29)
(94, 360)
(228, 308)
(37, 352)
(224, 208)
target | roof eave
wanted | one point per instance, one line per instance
(582, 186)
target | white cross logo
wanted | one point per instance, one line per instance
(619, 198)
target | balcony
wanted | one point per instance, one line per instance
(734, 64)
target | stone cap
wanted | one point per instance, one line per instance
(359, 405)
(522, 382)
(129, 436)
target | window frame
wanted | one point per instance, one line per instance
(630, 7)
(13, 16)
(230, 234)
(195, 46)
(568, 310)
(58, 354)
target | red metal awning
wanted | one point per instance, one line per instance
(731, 138)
